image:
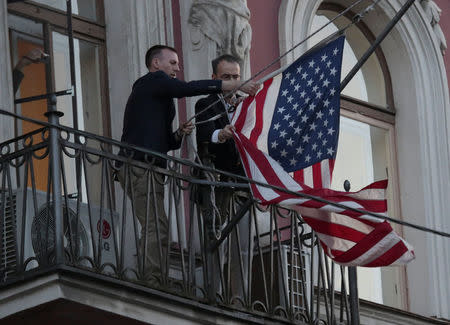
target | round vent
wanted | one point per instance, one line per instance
(43, 232)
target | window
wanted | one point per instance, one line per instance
(42, 24)
(366, 151)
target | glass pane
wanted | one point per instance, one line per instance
(89, 103)
(362, 158)
(29, 79)
(368, 84)
(362, 155)
(87, 74)
(83, 8)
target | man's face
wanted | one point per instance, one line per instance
(227, 71)
(167, 61)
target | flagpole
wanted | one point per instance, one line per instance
(377, 42)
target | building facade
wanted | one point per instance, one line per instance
(395, 124)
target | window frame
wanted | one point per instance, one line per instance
(54, 20)
(390, 109)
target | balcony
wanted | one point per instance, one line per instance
(71, 240)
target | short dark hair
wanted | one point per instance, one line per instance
(154, 51)
(225, 57)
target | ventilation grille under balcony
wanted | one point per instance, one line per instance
(8, 244)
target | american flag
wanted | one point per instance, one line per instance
(290, 128)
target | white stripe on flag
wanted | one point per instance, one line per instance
(268, 111)
(376, 250)
(335, 243)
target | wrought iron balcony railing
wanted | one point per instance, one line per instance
(60, 205)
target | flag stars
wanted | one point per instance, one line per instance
(320, 134)
(297, 87)
(314, 146)
(283, 134)
(302, 94)
(287, 117)
(335, 51)
(289, 99)
(324, 57)
(332, 91)
(306, 138)
(304, 118)
(317, 70)
(326, 83)
(276, 126)
(297, 130)
(312, 106)
(291, 124)
(292, 81)
(299, 70)
(294, 106)
(328, 64)
(283, 153)
(299, 150)
(289, 142)
(331, 131)
(274, 144)
(313, 126)
(281, 109)
(288, 75)
(319, 94)
(293, 161)
(310, 82)
(324, 142)
(308, 158)
(319, 115)
(311, 63)
(331, 111)
(326, 103)
(314, 89)
(319, 154)
(333, 71)
(284, 93)
(322, 76)
(307, 100)
(304, 75)
(330, 151)
(325, 123)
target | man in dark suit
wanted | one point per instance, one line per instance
(148, 118)
(217, 136)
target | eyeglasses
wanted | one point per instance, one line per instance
(227, 76)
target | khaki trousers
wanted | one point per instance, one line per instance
(141, 194)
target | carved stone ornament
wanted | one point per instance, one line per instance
(433, 13)
(224, 22)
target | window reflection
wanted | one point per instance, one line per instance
(83, 8)
(89, 104)
(368, 84)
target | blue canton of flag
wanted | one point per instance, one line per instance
(305, 123)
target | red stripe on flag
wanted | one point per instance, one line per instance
(260, 101)
(389, 257)
(240, 122)
(317, 175)
(262, 162)
(299, 176)
(331, 163)
(335, 230)
(365, 244)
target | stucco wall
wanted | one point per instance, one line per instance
(445, 26)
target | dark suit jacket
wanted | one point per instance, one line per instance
(225, 155)
(150, 110)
